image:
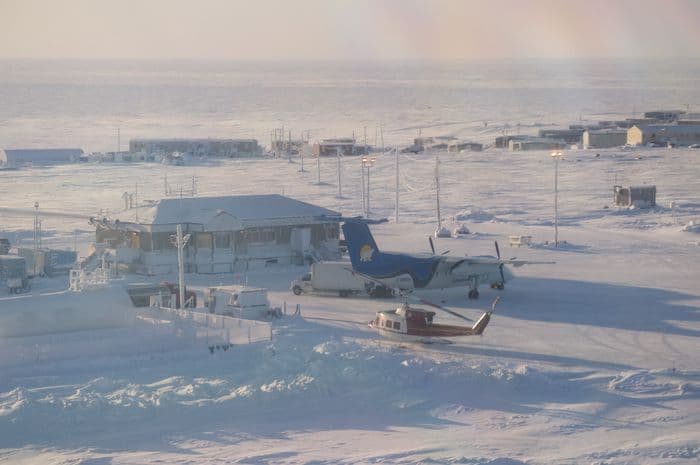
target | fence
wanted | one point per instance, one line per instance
(217, 329)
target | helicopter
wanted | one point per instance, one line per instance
(408, 323)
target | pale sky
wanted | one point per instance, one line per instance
(348, 30)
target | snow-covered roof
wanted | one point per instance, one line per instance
(670, 128)
(607, 131)
(243, 208)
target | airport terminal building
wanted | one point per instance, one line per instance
(227, 234)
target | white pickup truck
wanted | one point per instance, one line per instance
(337, 278)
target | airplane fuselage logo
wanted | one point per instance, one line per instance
(366, 252)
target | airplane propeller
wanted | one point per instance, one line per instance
(500, 266)
(432, 246)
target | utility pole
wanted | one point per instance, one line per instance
(136, 202)
(318, 167)
(381, 133)
(362, 189)
(367, 162)
(556, 156)
(340, 187)
(180, 243)
(397, 185)
(36, 237)
(119, 140)
(437, 190)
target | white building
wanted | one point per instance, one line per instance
(228, 234)
(17, 158)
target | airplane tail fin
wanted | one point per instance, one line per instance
(361, 246)
(481, 323)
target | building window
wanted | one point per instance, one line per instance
(163, 241)
(397, 325)
(260, 235)
(222, 240)
(145, 241)
(203, 240)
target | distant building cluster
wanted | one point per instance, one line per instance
(668, 128)
(656, 128)
(442, 143)
(212, 148)
(344, 146)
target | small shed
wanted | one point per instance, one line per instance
(638, 196)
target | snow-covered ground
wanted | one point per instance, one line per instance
(592, 360)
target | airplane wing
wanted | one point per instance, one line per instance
(469, 261)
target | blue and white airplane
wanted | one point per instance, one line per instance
(408, 272)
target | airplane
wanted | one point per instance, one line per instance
(408, 272)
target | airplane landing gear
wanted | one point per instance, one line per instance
(499, 286)
(473, 287)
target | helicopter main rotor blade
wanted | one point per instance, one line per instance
(444, 309)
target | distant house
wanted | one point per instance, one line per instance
(689, 118)
(667, 116)
(604, 138)
(536, 144)
(464, 146)
(331, 148)
(664, 134)
(570, 136)
(504, 141)
(16, 158)
(228, 234)
(213, 148)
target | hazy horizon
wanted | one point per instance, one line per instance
(348, 31)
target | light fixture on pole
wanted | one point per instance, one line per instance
(367, 162)
(556, 156)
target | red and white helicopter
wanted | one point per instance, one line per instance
(407, 323)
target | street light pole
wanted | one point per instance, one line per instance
(556, 156)
(367, 162)
(362, 186)
(340, 188)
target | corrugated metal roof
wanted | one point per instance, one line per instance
(202, 210)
